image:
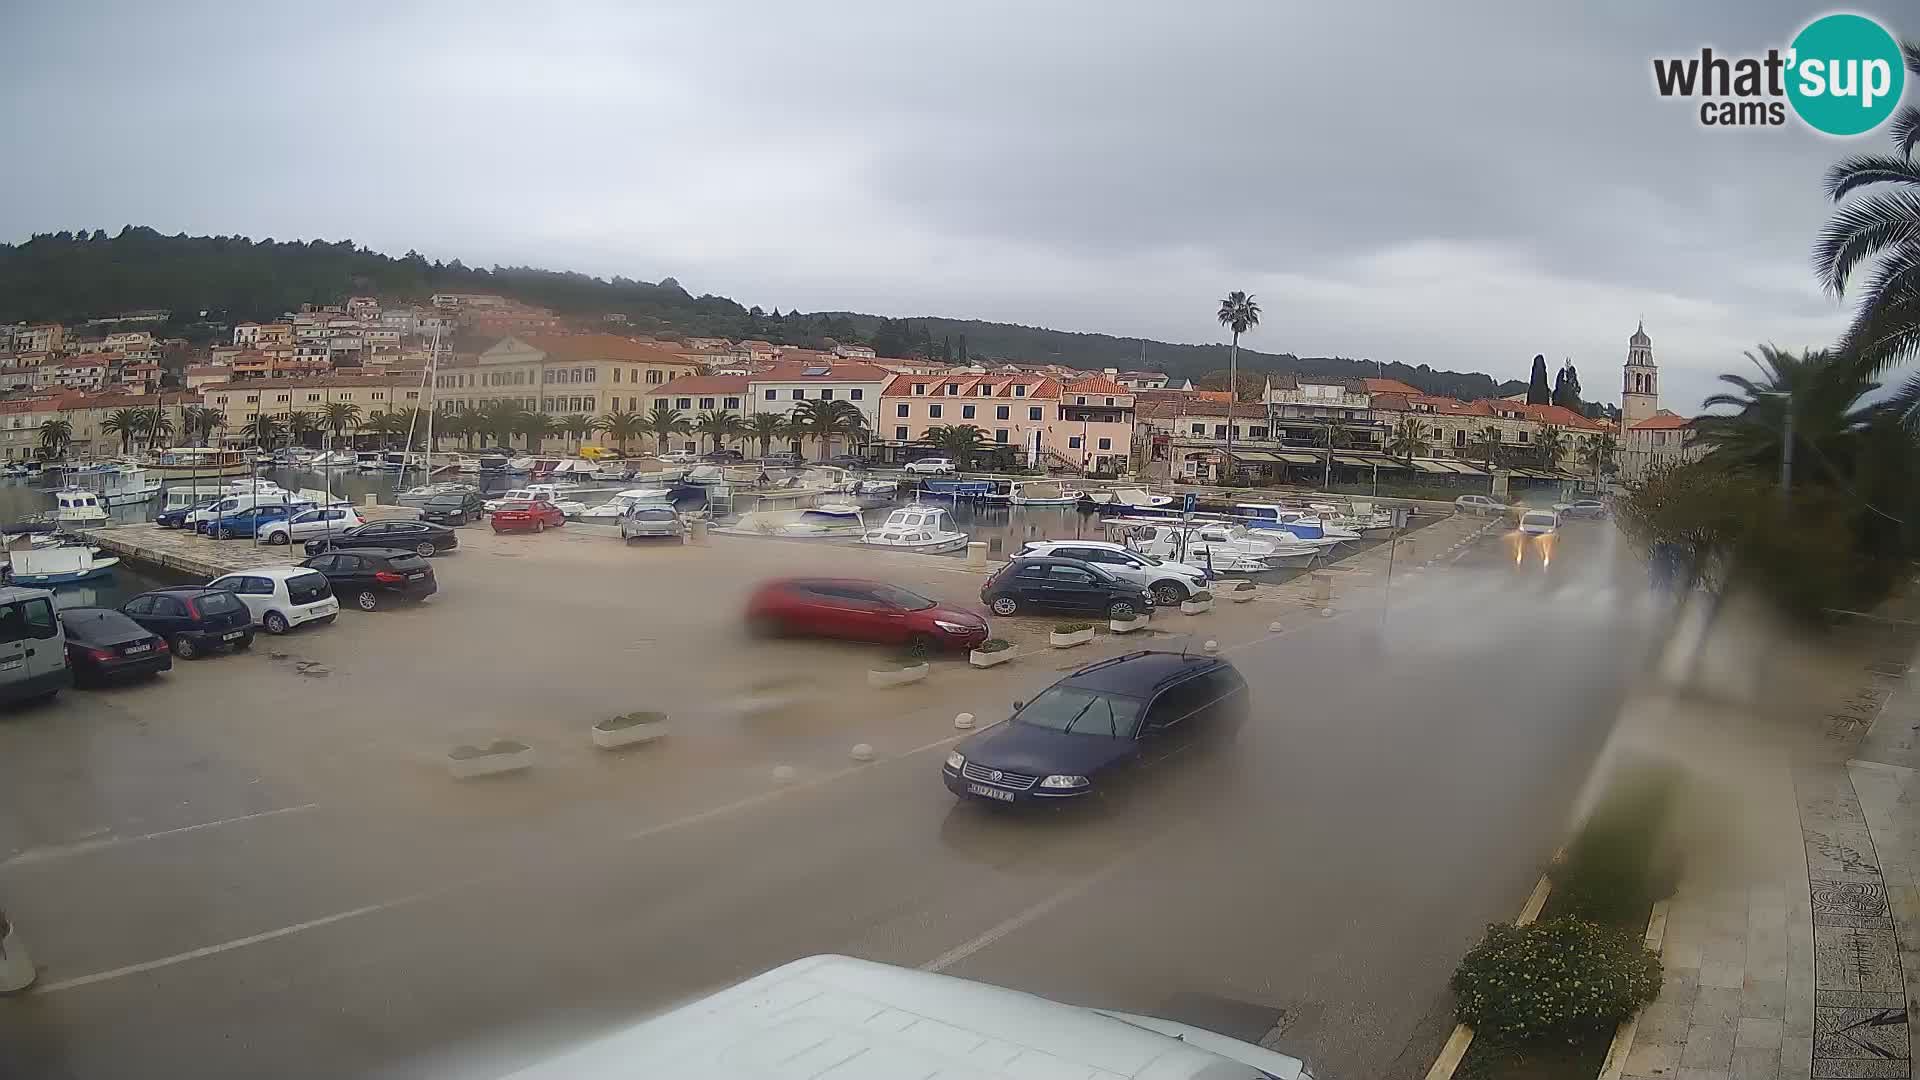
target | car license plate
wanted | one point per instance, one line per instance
(131, 649)
(416, 576)
(990, 792)
(233, 635)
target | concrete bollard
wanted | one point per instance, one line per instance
(1326, 612)
(977, 555)
(16, 967)
(862, 751)
(784, 773)
(1276, 628)
(697, 532)
(1211, 647)
(963, 722)
(370, 500)
(1321, 587)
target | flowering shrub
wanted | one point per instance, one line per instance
(1562, 977)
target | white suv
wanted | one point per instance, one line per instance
(1169, 582)
(1480, 505)
(282, 597)
(308, 524)
(937, 466)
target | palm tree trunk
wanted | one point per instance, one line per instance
(1233, 398)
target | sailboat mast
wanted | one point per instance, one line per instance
(433, 367)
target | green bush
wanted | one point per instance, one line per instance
(1199, 596)
(1071, 627)
(1619, 864)
(993, 644)
(1561, 978)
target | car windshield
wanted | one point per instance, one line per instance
(1538, 518)
(1081, 712)
(219, 603)
(901, 598)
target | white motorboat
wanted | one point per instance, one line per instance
(925, 529)
(370, 460)
(872, 493)
(523, 463)
(1302, 525)
(574, 468)
(1217, 545)
(1124, 499)
(60, 565)
(332, 459)
(706, 475)
(77, 506)
(610, 469)
(825, 520)
(622, 501)
(415, 496)
(1041, 493)
(120, 485)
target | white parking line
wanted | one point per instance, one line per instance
(960, 952)
(81, 847)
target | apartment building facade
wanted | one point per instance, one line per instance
(560, 374)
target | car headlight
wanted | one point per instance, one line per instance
(1064, 782)
(954, 627)
(955, 760)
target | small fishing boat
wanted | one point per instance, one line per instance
(825, 520)
(925, 529)
(872, 493)
(62, 565)
(1271, 517)
(1127, 500)
(562, 496)
(613, 509)
(77, 506)
(944, 488)
(332, 459)
(1041, 493)
(121, 485)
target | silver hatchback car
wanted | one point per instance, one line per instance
(658, 521)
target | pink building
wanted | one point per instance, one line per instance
(1086, 425)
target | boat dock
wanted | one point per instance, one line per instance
(185, 551)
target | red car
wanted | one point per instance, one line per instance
(862, 611)
(521, 516)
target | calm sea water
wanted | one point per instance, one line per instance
(1003, 528)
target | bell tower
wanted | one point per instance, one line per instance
(1639, 381)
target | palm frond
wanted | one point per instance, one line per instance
(1905, 403)
(1850, 173)
(1887, 329)
(1905, 129)
(1862, 229)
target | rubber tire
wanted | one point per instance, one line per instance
(424, 550)
(279, 539)
(539, 526)
(274, 623)
(1121, 610)
(1169, 593)
(921, 646)
(1004, 606)
(243, 644)
(367, 600)
(183, 647)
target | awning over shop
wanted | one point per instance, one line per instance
(1464, 469)
(1380, 461)
(1297, 457)
(1256, 455)
(1428, 466)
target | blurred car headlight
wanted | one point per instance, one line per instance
(954, 627)
(1066, 782)
(955, 760)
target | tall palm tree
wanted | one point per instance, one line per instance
(1882, 230)
(55, 436)
(1548, 444)
(664, 422)
(536, 426)
(502, 419)
(718, 426)
(190, 421)
(124, 423)
(620, 426)
(339, 416)
(1408, 441)
(823, 420)
(1240, 313)
(263, 429)
(378, 424)
(206, 422)
(577, 426)
(1823, 390)
(1486, 443)
(766, 427)
(1597, 454)
(300, 424)
(157, 424)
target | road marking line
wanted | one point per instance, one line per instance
(81, 847)
(211, 950)
(960, 952)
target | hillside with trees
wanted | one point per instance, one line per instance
(72, 276)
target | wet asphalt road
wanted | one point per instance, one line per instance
(1404, 782)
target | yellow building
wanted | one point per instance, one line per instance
(561, 374)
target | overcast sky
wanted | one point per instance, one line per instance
(1410, 182)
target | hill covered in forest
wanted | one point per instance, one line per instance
(70, 277)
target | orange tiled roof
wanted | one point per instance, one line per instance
(785, 370)
(1098, 384)
(1663, 421)
(1389, 386)
(998, 386)
(604, 347)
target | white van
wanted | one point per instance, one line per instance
(833, 1016)
(33, 647)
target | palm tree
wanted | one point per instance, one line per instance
(1240, 313)
(205, 422)
(1408, 440)
(1822, 389)
(664, 422)
(339, 416)
(536, 426)
(190, 418)
(157, 424)
(454, 425)
(502, 419)
(300, 424)
(263, 429)
(1486, 443)
(959, 441)
(766, 427)
(718, 426)
(124, 423)
(577, 426)
(55, 436)
(1548, 444)
(823, 420)
(621, 426)
(1597, 453)
(1881, 230)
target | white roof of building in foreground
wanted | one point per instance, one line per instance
(837, 1018)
